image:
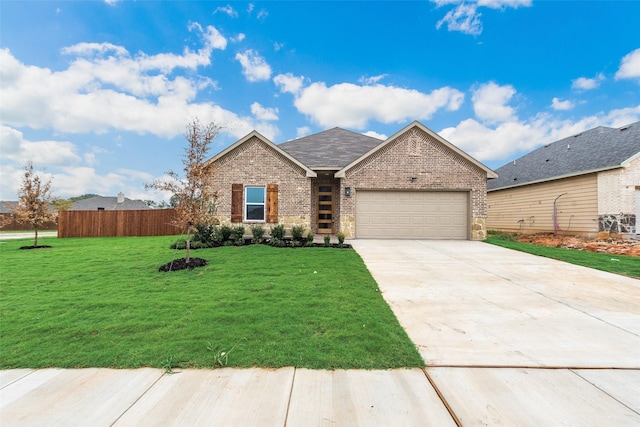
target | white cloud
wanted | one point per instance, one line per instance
(228, 9)
(556, 104)
(371, 80)
(303, 131)
(288, 83)
(465, 17)
(20, 150)
(262, 14)
(111, 2)
(238, 38)
(517, 137)
(353, 106)
(254, 66)
(376, 135)
(629, 66)
(262, 113)
(105, 88)
(489, 102)
(585, 83)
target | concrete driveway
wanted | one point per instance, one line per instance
(510, 338)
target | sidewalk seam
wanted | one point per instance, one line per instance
(442, 398)
(137, 400)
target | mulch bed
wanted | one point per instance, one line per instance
(182, 264)
(35, 247)
(611, 245)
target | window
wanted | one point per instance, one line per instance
(254, 203)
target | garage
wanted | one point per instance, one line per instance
(412, 214)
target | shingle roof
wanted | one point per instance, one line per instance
(108, 203)
(332, 149)
(597, 149)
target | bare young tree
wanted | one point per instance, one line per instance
(194, 198)
(34, 198)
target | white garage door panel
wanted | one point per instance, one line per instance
(412, 215)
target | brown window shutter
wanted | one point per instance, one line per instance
(272, 203)
(236, 202)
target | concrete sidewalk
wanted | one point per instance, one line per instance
(508, 338)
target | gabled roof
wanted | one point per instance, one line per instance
(310, 173)
(331, 149)
(595, 150)
(108, 203)
(490, 173)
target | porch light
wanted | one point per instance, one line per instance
(347, 191)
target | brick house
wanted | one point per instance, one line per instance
(586, 184)
(415, 184)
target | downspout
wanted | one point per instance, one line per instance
(555, 214)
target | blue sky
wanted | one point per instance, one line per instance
(97, 93)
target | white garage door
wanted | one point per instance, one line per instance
(412, 215)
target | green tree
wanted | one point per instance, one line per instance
(194, 199)
(34, 198)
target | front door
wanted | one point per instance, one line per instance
(324, 208)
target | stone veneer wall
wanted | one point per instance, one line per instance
(255, 163)
(616, 199)
(416, 154)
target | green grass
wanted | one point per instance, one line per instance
(619, 264)
(100, 302)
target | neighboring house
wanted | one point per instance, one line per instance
(415, 184)
(588, 184)
(6, 206)
(108, 204)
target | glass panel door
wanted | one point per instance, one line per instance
(324, 208)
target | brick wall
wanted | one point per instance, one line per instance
(415, 154)
(255, 163)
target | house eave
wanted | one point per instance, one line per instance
(556, 178)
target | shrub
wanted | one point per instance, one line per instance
(278, 243)
(238, 235)
(206, 235)
(225, 233)
(179, 244)
(340, 236)
(327, 240)
(296, 232)
(309, 239)
(277, 232)
(257, 231)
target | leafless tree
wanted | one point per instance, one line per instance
(34, 199)
(194, 199)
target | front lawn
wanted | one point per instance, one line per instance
(101, 302)
(619, 264)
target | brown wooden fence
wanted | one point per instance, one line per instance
(147, 222)
(16, 226)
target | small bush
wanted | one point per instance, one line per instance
(278, 243)
(277, 232)
(179, 244)
(327, 240)
(309, 239)
(207, 235)
(340, 236)
(225, 233)
(296, 232)
(238, 235)
(257, 231)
